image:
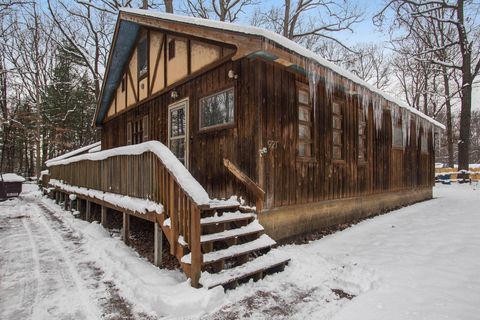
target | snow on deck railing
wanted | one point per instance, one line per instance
(75, 152)
(184, 178)
(125, 202)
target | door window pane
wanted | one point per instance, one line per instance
(177, 146)
(177, 122)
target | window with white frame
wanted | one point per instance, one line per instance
(217, 109)
(362, 136)
(338, 152)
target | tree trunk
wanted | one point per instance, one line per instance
(467, 79)
(286, 19)
(448, 106)
(168, 6)
(465, 116)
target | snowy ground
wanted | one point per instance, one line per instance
(420, 262)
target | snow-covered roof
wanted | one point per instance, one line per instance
(11, 177)
(282, 42)
(76, 152)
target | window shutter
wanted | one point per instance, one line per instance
(129, 133)
(145, 128)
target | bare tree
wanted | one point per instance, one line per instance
(308, 21)
(29, 52)
(223, 10)
(460, 19)
(88, 27)
(371, 63)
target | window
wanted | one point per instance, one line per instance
(337, 130)
(362, 136)
(178, 132)
(142, 57)
(217, 109)
(171, 49)
(397, 134)
(305, 122)
(137, 131)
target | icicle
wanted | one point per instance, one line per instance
(329, 83)
(377, 111)
(405, 126)
(313, 79)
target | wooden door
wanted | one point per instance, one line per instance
(178, 130)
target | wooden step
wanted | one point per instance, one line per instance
(272, 262)
(252, 228)
(227, 217)
(263, 242)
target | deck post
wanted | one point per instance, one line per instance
(88, 210)
(158, 245)
(103, 216)
(126, 228)
(79, 204)
(67, 201)
(196, 266)
(57, 199)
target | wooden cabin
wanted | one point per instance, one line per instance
(249, 114)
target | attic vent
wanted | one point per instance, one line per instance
(171, 49)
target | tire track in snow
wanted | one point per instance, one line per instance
(69, 271)
(36, 263)
(111, 304)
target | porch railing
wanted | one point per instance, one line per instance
(147, 171)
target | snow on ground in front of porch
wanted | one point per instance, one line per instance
(419, 262)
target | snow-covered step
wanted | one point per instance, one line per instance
(226, 217)
(252, 228)
(266, 262)
(263, 242)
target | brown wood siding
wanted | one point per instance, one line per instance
(207, 148)
(291, 181)
(266, 116)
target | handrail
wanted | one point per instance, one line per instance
(249, 183)
(149, 171)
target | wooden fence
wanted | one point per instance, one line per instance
(143, 176)
(453, 172)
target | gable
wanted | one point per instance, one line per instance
(170, 58)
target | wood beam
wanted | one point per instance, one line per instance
(79, 204)
(126, 228)
(103, 216)
(249, 183)
(158, 245)
(88, 210)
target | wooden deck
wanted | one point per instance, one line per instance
(195, 231)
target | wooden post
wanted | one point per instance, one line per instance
(79, 204)
(88, 210)
(173, 219)
(196, 248)
(57, 197)
(67, 201)
(126, 228)
(158, 245)
(103, 218)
